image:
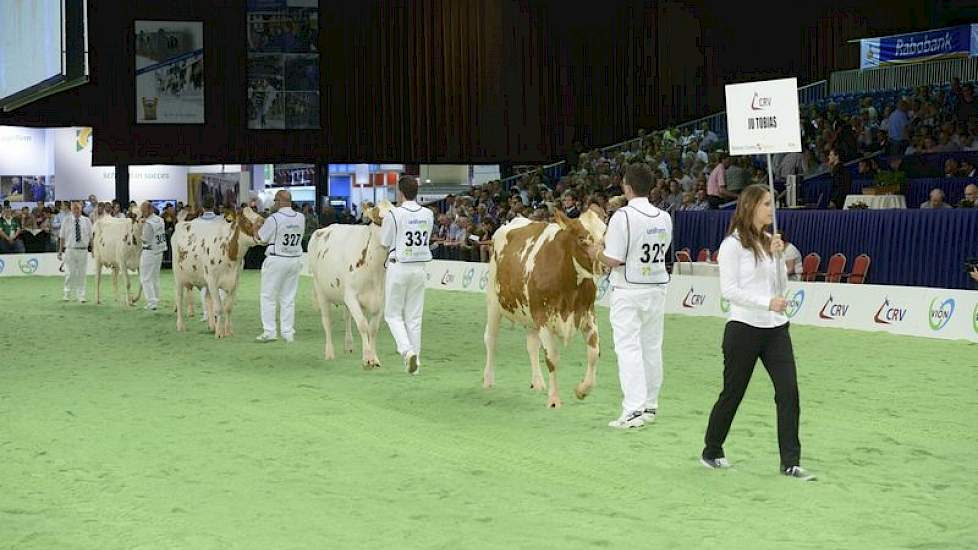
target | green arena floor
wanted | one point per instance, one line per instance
(116, 432)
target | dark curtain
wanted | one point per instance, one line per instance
(409, 81)
(907, 247)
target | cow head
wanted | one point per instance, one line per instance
(587, 229)
(376, 213)
(244, 233)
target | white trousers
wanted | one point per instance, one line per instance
(203, 301)
(404, 305)
(76, 270)
(279, 283)
(149, 275)
(637, 318)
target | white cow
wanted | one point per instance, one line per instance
(116, 244)
(210, 254)
(347, 267)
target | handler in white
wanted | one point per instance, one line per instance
(74, 240)
(636, 243)
(154, 245)
(282, 232)
(406, 232)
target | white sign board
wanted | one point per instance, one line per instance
(762, 117)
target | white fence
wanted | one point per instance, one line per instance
(913, 311)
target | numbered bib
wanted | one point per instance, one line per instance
(649, 239)
(159, 235)
(288, 235)
(413, 233)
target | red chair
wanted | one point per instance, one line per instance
(704, 255)
(809, 267)
(837, 264)
(860, 267)
(713, 257)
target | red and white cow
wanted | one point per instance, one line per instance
(116, 244)
(542, 277)
(209, 253)
(347, 267)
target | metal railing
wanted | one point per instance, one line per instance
(904, 76)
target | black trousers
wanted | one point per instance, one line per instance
(742, 346)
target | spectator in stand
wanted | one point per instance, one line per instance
(970, 199)
(967, 169)
(841, 181)
(936, 200)
(716, 185)
(738, 176)
(792, 258)
(10, 242)
(791, 164)
(951, 168)
(966, 109)
(896, 128)
(709, 139)
(674, 198)
(570, 205)
(867, 169)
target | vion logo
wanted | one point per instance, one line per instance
(974, 314)
(724, 305)
(484, 280)
(833, 310)
(693, 300)
(28, 267)
(2, 265)
(467, 278)
(603, 285)
(888, 314)
(939, 314)
(794, 303)
(447, 278)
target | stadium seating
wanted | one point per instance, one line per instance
(809, 267)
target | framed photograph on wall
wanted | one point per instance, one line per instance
(169, 72)
(283, 64)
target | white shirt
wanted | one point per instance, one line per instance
(406, 232)
(749, 285)
(283, 232)
(639, 235)
(68, 232)
(154, 234)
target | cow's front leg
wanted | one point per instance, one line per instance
(493, 317)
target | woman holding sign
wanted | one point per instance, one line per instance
(750, 279)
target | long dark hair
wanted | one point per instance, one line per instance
(757, 241)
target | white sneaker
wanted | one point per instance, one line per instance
(628, 420)
(67, 298)
(648, 415)
(411, 365)
(82, 300)
(264, 337)
(150, 307)
(288, 339)
(203, 319)
(715, 463)
(798, 472)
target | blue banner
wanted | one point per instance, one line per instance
(916, 47)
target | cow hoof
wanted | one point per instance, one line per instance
(538, 387)
(329, 355)
(371, 365)
(581, 391)
(554, 403)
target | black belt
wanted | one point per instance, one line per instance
(281, 256)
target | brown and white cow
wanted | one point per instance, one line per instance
(116, 244)
(209, 253)
(542, 277)
(347, 267)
